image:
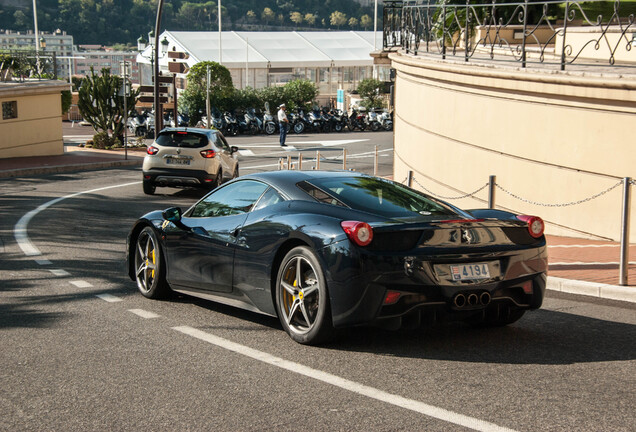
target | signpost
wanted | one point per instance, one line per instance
(124, 69)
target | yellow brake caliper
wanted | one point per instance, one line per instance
(152, 256)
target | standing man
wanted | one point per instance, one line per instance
(282, 123)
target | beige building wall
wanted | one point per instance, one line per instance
(550, 138)
(37, 129)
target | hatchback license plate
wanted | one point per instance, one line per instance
(174, 161)
(474, 271)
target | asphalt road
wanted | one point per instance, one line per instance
(82, 350)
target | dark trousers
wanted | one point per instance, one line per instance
(283, 132)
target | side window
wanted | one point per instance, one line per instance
(222, 143)
(269, 198)
(235, 198)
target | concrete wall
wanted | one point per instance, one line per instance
(549, 137)
(37, 130)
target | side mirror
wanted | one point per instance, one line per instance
(234, 149)
(173, 214)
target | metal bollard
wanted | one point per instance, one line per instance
(317, 159)
(492, 181)
(300, 161)
(409, 179)
(288, 162)
(624, 263)
(344, 159)
(375, 162)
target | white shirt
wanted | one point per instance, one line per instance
(282, 117)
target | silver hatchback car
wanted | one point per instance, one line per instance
(189, 157)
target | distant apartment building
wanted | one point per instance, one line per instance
(57, 42)
(99, 57)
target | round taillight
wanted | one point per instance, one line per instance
(360, 233)
(536, 227)
(152, 150)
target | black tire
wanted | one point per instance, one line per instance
(149, 188)
(375, 126)
(299, 128)
(218, 180)
(150, 268)
(303, 307)
(270, 128)
(338, 127)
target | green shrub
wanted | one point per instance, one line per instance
(101, 140)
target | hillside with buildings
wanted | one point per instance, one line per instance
(109, 22)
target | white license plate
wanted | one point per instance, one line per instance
(173, 161)
(474, 271)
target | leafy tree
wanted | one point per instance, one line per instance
(353, 22)
(365, 21)
(194, 96)
(296, 18)
(100, 104)
(67, 98)
(251, 16)
(300, 93)
(272, 95)
(268, 15)
(337, 19)
(370, 90)
(310, 19)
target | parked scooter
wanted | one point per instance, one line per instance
(386, 120)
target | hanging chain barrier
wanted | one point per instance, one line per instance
(571, 203)
(626, 182)
(448, 197)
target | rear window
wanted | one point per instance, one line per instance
(379, 197)
(183, 139)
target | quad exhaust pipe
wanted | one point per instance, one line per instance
(473, 299)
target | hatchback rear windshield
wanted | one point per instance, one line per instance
(379, 197)
(183, 139)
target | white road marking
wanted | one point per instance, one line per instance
(361, 389)
(143, 313)
(109, 298)
(59, 272)
(591, 263)
(20, 230)
(309, 160)
(288, 148)
(43, 262)
(583, 246)
(246, 152)
(325, 143)
(81, 284)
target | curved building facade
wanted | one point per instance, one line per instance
(559, 143)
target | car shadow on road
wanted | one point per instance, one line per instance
(541, 337)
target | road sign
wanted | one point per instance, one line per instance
(177, 67)
(178, 55)
(146, 89)
(165, 80)
(151, 99)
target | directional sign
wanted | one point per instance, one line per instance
(146, 89)
(165, 80)
(151, 99)
(178, 55)
(177, 67)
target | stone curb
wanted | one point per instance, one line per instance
(593, 289)
(68, 168)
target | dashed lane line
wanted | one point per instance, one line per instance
(81, 284)
(109, 298)
(361, 389)
(144, 313)
(59, 272)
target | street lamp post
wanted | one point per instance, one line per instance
(158, 116)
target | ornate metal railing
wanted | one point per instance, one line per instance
(23, 64)
(547, 32)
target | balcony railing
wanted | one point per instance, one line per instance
(543, 32)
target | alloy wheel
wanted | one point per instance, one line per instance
(146, 262)
(300, 295)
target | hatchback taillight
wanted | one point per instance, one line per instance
(208, 154)
(360, 233)
(535, 225)
(152, 150)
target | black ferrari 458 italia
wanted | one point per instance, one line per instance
(323, 250)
